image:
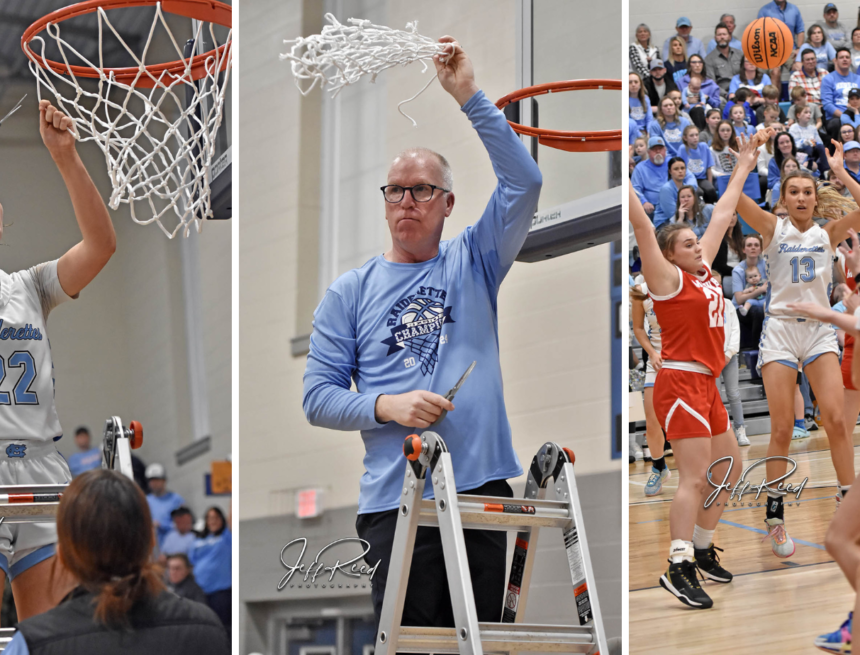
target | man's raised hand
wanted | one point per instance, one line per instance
(455, 71)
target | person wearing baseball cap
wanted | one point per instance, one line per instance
(837, 34)
(161, 501)
(683, 27)
(651, 174)
(851, 155)
(658, 84)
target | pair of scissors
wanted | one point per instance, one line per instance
(453, 392)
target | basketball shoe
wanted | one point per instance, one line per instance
(780, 543)
(709, 564)
(838, 641)
(655, 481)
(682, 581)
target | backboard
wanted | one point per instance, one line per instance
(580, 204)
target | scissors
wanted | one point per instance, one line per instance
(16, 108)
(450, 395)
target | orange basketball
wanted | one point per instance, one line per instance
(767, 43)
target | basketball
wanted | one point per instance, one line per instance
(767, 43)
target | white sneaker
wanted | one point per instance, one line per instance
(780, 543)
(741, 434)
(635, 450)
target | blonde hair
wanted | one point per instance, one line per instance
(829, 203)
(683, 48)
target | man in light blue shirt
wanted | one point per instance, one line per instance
(405, 326)
(651, 174)
(729, 21)
(161, 501)
(788, 14)
(86, 458)
(835, 87)
(683, 28)
(181, 538)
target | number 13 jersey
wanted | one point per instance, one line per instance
(691, 320)
(27, 409)
(799, 268)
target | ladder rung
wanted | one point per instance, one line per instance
(33, 489)
(474, 516)
(29, 513)
(501, 638)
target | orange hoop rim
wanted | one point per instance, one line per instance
(590, 141)
(210, 11)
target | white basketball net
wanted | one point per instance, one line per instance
(158, 144)
(342, 54)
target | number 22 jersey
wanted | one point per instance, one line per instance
(799, 268)
(691, 321)
(27, 409)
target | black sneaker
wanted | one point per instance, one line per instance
(682, 581)
(709, 564)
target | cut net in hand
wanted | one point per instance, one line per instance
(342, 54)
(155, 123)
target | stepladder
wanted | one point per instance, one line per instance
(552, 468)
(39, 503)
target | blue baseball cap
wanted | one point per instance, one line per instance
(656, 141)
(830, 6)
(683, 21)
(851, 145)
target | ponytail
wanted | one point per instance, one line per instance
(116, 597)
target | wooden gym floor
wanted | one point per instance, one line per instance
(772, 605)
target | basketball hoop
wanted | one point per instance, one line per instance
(155, 123)
(595, 141)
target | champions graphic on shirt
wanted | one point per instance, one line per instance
(673, 135)
(416, 322)
(696, 166)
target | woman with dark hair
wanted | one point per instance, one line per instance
(783, 146)
(731, 249)
(212, 558)
(847, 132)
(752, 78)
(105, 540)
(665, 208)
(642, 52)
(640, 105)
(709, 88)
(854, 50)
(817, 41)
(695, 214)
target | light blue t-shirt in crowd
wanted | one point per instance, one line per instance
(648, 179)
(640, 113)
(175, 543)
(698, 159)
(160, 508)
(392, 328)
(823, 53)
(85, 460)
(212, 559)
(834, 91)
(671, 134)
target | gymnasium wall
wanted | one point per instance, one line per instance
(661, 15)
(121, 348)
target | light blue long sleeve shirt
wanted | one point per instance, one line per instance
(392, 328)
(672, 135)
(698, 160)
(834, 91)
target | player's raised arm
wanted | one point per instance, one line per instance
(77, 268)
(660, 274)
(839, 230)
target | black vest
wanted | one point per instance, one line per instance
(164, 625)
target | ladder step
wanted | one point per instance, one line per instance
(487, 516)
(501, 638)
(30, 513)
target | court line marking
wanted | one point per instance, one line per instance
(760, 531)
(738, 509)
(741, 575)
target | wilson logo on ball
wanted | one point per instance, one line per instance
(767, 43)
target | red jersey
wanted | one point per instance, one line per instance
(691, 320)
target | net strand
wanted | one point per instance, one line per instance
(342, 54)
(159, 159)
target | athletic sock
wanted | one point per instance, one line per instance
(800, 423)
(774, 507)
(658, 464)
(702, 538)
(680, 550)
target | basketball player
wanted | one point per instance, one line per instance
(28, 418)
(799, 255)
(405, 327)
(642, 311)
(689, 305)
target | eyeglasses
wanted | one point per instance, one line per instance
(420, 192)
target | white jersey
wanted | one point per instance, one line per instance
(652, 327)
(799, 268)
(26, 368)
